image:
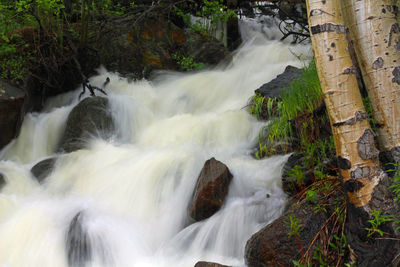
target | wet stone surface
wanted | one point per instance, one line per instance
(2, 181)
(211, 189)
(42, 169)
(274, 88)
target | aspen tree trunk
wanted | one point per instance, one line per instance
(376, 35)
(363, 180)
(352, 133)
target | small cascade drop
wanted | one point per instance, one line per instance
(123, 200)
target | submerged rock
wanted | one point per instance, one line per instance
(208, 264)
(90, 118)
(2, 181)
(272, 245)
(42, 169)
(275, 87)
(210, 191)
(11, 112)
(79, 250)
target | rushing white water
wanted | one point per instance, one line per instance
(133, 190)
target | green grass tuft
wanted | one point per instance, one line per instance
(303, 95)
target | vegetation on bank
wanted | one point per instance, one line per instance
(294, 120)
(38, 33)
(47, 33)
(301, 99)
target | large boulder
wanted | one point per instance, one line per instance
(208, 264)
(90, 118)
(273, 246)
(275, 87)
(43, 168)
(210, 191)
(11, 112)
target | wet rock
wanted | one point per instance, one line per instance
(210, 191)
(2, 181)
(282, 81)
(90, 118)
(78, 247)
(42, 169)
(11, 112)
(272, 246)
(208, 264)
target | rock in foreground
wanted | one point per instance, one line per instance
(90, 118)
(2, 181)
(272, 245)
(42, 169)
(79, 250)
(210, 191)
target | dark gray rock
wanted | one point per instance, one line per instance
(208, 264)
(79, 250)
(211, 188)
(2, 181)
(272, 246)
(90, 118)
(42, 169)
(204, 50)
(84, 244)
(11, 112)
(274, 88)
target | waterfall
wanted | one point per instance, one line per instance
(124, 201)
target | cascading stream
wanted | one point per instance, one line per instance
(124, 201)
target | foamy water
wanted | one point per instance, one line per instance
(133, 190)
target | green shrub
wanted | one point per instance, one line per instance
(212, 10)
(302, 97)
(187, 62)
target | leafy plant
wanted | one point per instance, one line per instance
(295, 229)
(298, 173)
(294, 225)
(377, 221)
(370, 112)
(210, 14)
(311, 196)
(395, 186)
(297, 263)
(339, 244)
(187, 62)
